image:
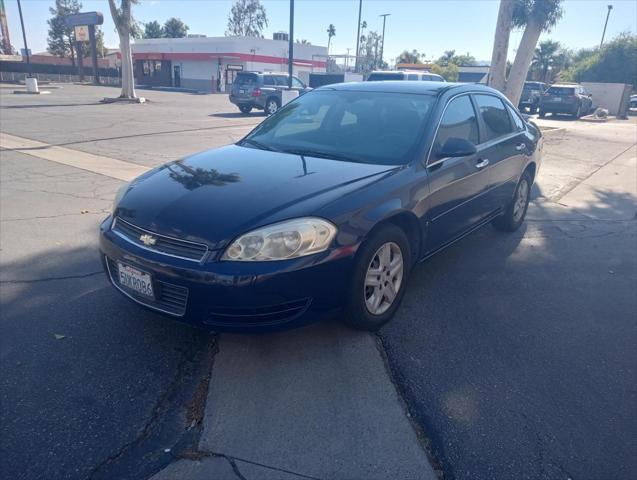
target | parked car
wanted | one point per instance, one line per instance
(324, 207)
(530, 97)
(262, 90)
(566, 98)
(383, 75)
(633, 101)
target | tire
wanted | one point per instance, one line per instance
(533, 109)
(542, 114)
(271, 106)
(361, 295)
(515, 211)
(245, 109)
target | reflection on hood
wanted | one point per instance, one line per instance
(193, 178)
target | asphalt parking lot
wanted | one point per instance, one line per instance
(514, 354)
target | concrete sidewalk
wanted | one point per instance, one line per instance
(315, 402)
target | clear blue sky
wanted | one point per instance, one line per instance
(427, 25)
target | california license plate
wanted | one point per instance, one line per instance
(557, 99)
(242, 91)
(136, 280)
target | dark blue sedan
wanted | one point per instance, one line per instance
(324, 208)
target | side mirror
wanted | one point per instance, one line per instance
(456, 147)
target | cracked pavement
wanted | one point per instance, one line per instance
(514, 354)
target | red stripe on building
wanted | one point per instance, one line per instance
(246, 57)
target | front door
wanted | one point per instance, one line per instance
(456, 185)
(177, 76)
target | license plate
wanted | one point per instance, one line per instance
(242, 91)
(557, 99)
(140, 282)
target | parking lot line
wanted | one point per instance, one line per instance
(99, 164)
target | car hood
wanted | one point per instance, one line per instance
(214, 196)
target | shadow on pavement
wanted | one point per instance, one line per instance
(515, 352)
(92, 386)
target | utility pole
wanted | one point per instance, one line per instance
(358, 34)
(24, 37)
(382, 47)
(291, 46)
(610, 7)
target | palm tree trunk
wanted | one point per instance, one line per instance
(522, 61)
(501, 45)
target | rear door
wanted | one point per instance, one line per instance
(502, 141)
(456, 185)
(243, 85)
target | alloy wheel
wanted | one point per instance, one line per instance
(384, 278)
(272, 107)
(521, 199)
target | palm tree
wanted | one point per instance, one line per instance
(331, 31)
(545, 57)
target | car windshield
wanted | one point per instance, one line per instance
(375, 77)
(364, 127)
(244, 79)
(561, 91)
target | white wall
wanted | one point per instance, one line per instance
(606, 95)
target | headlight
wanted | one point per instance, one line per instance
(280, 241)
(120, 193)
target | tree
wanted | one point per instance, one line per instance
(615, 63)
(410, 57)
(153, 30)
(497, 71)
(174, 28)
(331, 31)
(123, 23)
(536, 16)
(247, 19)
(369, 53)
(545, 57)
(61, 39)
(449, 72)
(450, 57)
(303, 41)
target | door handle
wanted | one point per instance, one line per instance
(482, 163)
(520, 146)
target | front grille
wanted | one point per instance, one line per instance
(254, 316)
(163, 244)
(169, 298)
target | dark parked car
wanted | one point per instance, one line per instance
(530, 97)
(324, 207)
(633, 101)
(566, 98)
(384, 75)
(262, 90)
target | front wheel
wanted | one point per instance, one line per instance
(533, 109)
(542, 114)
(515, 211)
(271, 106)
(379, 279)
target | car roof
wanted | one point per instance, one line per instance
(414, 87)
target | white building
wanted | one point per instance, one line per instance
(211, 63)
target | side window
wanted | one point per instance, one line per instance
(281, 80)
(412, 76)
(495, 117)
(517, 121)
(458, 121)
(268, 80)
(296, 83)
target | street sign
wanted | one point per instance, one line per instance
(81, 33)
(23, 52)
(85, 18)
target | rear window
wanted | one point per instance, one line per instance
(244, 79)
(561, 91)
(375, 77)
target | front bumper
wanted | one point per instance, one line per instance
(235, 296)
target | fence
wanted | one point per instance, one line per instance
(56, 77)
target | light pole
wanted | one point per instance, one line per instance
(291, 46)
(24, 37)
(358, 34)
(382, 47)
(610, 7)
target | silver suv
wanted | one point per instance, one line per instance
(262, 90)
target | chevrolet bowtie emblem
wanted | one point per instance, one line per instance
(148, 240)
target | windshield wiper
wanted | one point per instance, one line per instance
(259, 145)
(329, 156)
